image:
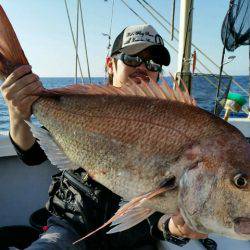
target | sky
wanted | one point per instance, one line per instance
(43, 30)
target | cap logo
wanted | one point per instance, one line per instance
(140, 36)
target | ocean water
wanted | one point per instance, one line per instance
(203, 91)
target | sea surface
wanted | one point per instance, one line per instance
(204, 91)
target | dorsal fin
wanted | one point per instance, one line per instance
(183, 95)
(150, 89)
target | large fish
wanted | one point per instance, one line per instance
(144, 144)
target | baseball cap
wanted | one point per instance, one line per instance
(136, 38)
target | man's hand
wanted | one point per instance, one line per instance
(17, 91)
(178, 227)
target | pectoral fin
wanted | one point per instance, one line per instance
(130, 219)
(54, 153)
(134, 211)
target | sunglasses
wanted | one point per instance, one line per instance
(135, 61)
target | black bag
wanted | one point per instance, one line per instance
(83, 202)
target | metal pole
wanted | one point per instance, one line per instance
(185, 39)
(172, 22)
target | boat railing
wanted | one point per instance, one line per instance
(6, 148)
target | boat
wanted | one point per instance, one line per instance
(19, 201)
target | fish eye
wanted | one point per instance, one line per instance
(240, 180)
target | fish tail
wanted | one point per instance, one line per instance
(11, 53)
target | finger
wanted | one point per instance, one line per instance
(196, 236)
(20, 84)
(24, 105)
(26, 88)
(29, 90)
(178, 219)
(16, 74)
(187, 232)
(28, 101)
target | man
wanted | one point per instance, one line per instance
(78, 203)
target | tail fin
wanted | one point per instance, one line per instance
(11, 53)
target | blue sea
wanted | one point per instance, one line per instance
(203, 91)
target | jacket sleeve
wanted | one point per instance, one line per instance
(33, 156)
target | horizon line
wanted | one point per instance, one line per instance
(107, 77)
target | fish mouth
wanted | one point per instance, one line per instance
(242, 225)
